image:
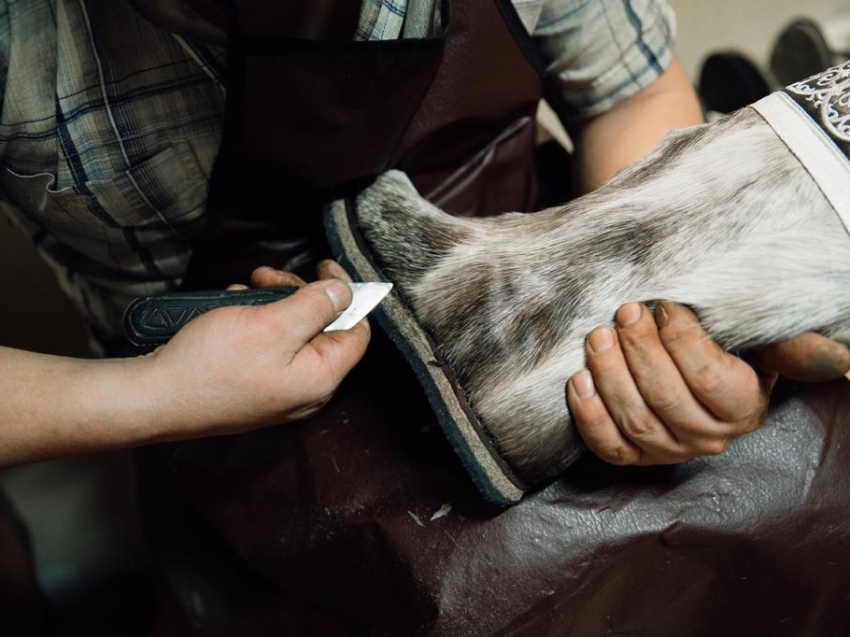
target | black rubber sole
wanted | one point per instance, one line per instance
(470, 440)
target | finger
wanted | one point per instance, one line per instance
(722, 382)
(595, 425)
(620, 394)
(268, 277)
(659, 381)
(341, 350)
(236, 287)
(809, 357)
(329, 269)
(309, 310)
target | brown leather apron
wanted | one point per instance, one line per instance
(362, 519)
(308, 120)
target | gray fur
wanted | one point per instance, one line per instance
(721, 217)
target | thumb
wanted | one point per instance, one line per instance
(809, 357)
(311, 309)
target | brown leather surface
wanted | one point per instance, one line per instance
(337, 513)
(338, 519)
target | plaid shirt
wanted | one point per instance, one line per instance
(110, 124)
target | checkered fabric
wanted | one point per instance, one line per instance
(110, 124)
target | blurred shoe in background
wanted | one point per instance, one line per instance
(806, 47)
(729, 81)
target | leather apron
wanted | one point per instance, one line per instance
(308, 120)
(362, 519)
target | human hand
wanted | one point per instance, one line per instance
(237, 368)
(659, 390)
(809, 357)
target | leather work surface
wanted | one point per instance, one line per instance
(366, 516)
(362, 520)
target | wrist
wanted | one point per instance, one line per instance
(158, 407)
(174, 402)
(112, 404)
(57, 406)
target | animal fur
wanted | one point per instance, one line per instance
(721, 217)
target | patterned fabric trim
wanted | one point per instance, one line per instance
(826, 98)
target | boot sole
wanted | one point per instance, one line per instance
(474, 445)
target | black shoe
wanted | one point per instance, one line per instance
(801, 50)
(729, 81)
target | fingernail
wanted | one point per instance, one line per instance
(601, 339)
(628, 314)
(583, 384)
(661, 318)
(339, 293)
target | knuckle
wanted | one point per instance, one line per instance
(662, 399)
(681, 330)
(754, 422)
(639, 425)
(714, 447)
(710, 381)
(618, 455)
(638, 336)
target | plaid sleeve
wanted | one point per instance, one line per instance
(600, 52)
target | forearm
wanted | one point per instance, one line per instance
(55, 406)
(632, 129)
(227, 371)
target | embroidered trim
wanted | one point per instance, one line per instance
(826, 96)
